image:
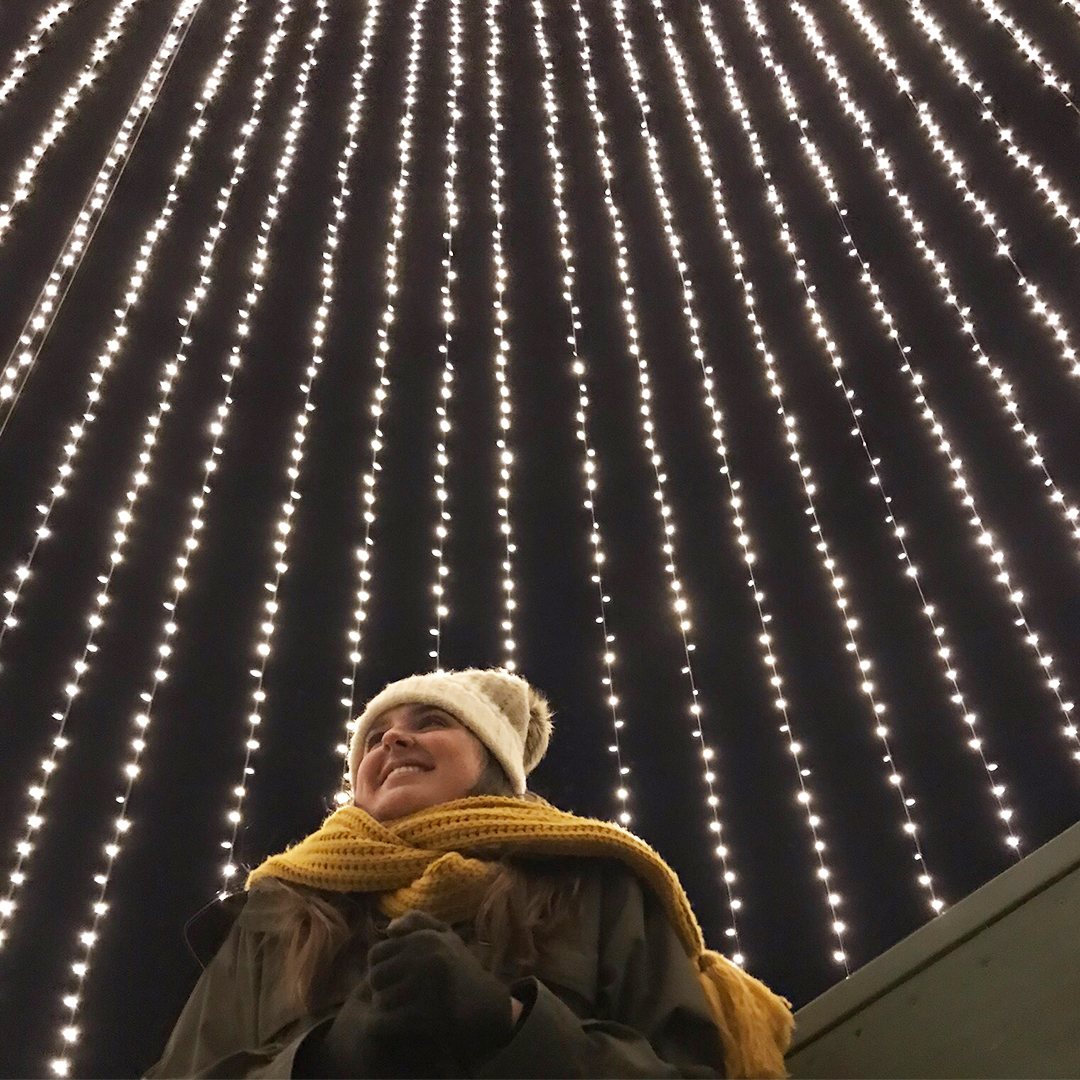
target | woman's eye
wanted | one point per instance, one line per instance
(423, 722)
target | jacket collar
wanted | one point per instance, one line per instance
(207, 929)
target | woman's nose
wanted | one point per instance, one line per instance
(392, 735)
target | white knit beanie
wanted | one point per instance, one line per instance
(510, 717)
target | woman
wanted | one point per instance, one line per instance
(450, 923)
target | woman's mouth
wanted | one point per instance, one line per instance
(405, 770)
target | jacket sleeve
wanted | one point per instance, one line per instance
(651, 1015)
(217, 1034)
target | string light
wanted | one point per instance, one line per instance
(88, 938)
(125, 518)
(958, 65)
(680, 605)
(502, 352)
(1029, 50)
(442, 409)
(940, 267)
(590, 464)
(381, 391)
(43, 314)
(787, 424)
(140, 273)
(984, 536)
(283, 529)
(942, 650)
(766, 639)
(809, 486)
(958, 176)
(102, 49)
(48, 21)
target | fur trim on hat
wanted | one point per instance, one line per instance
(539, 733)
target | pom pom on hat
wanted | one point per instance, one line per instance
(510, 717)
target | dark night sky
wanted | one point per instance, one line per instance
(170, 864)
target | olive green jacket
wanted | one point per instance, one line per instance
(613, 995)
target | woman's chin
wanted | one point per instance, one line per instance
(403, 800)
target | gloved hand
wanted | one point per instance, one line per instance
(425, 978)
(366, 1042)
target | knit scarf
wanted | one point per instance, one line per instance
(438, 860)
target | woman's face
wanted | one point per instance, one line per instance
(443, 761)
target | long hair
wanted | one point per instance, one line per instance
(521, 910)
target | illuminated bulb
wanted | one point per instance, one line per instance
(64, 269)
(504, 457)
(579, 370)
(354, 637)
(835, 360)
(1025, 160)
(1029, 50)
(320, 319)
(641, 362)
(100, 52)
(442, 408)
(1010, 408)
(957, 174)
(47, 22)
(788, 422)
(131, 769)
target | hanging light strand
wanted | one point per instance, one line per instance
(680, 605)
(1028, 49)
(941, 648)
(1025, 160)
(284, 528)
(1070, 512)
(985, 537)
(125, 517)
(140, 273)
(66, 266)
(502, 351)
(381, 391)
(957, 174)
(590, 463)
(954, 167)
(100, 52)
(789, 435)
(70, 1033)
(442, 408)
(47, 22)
(804, 795)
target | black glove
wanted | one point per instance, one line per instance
(365, 1042)
(425, 978)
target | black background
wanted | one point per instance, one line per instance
(170, 863)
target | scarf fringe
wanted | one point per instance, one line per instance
(439, 860)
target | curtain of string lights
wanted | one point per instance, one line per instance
(713, 366)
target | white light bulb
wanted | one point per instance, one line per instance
(100, 52)
(504, 456)
(643, 370)
(945, 286)
(579, 371)
(383, 360)
(442, 461)
(956, 173)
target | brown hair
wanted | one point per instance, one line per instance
(525, 904)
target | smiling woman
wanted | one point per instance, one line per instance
(449, 922)
(414, 756)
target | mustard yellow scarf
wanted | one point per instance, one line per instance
(418, 862)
